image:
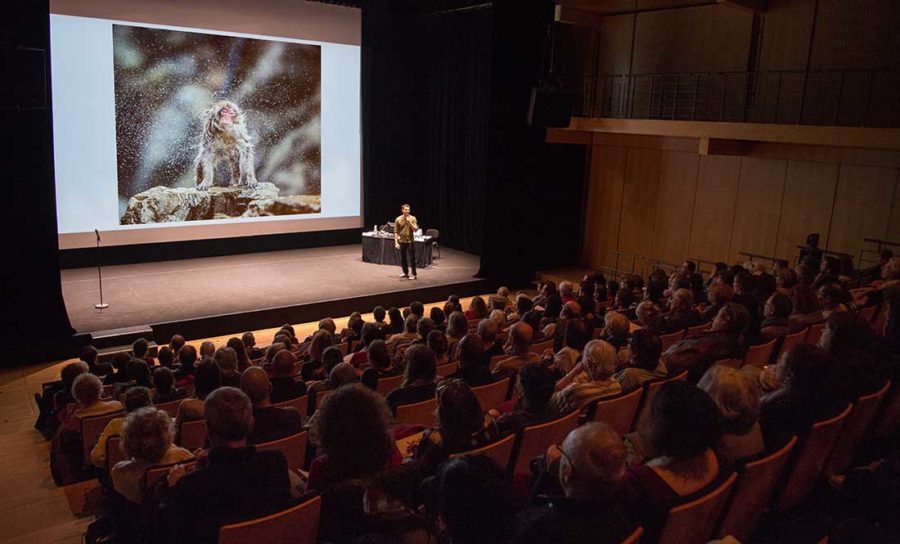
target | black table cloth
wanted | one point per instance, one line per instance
(381, 250)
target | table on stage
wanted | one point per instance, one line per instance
(379, 248)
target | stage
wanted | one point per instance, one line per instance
(220, 295)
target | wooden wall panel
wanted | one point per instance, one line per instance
(604, 205)
(806, 206)
(714, 208)
(674, 206)
(862, 206)
(639, 200)
(759, 198)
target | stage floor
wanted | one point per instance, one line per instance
(143, 294)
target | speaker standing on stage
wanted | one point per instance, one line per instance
(404, 228)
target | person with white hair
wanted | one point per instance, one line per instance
(598, 364)
(566, 291)
(737, 397)
(681, 312)
(617, 329)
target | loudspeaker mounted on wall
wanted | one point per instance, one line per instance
(550, 107)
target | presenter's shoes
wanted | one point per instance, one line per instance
(413, 278)
(403, 276)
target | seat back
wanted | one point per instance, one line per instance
(814, 333)
(535, 439)
(697, 329)
(300, 404)
(450, 368)
(321, 395)
(635, 536)
(154, 473)
(500, 451)
(170, 408)
(491, 395)
(755, 484)
(192, 434)
(419, 413)
(759, 356)
(388, 384)
(669, 339)
(293, 447)
(650, 390)
(694, 521)
(858, 423)
(298, 524)
(790, 339)
(618, 412)
(91, 429)
(114, 452)
(344, 348)
(731, 363)
(809, 460)
(889, 421)
(539, 347)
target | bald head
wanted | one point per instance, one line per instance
(284, 363)
(597, 458)
(255, 384)
(520, 335)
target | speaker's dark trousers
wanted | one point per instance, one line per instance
(409, 249)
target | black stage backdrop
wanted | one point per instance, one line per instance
(445, 98)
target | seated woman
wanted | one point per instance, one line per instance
(396, 321)
(243, 356)
(684, 430)
(642, 361)
(139, 374)
(457, 327)
(418, 379)
(86, 389)
(616, 330)
(208, 379)
(776, 317)
(719, 294)
(808, 393)
(830, 296)
(135, 398)
(737, 396)
(147, 437)
(227, 360)
(477, 309)
(360, 356)
(462, 426)
(598, 365)
(164, 381)
(805, 305)
(380, 365)
(724, 340)
(312, 366)
(576, 338)
(437, 341)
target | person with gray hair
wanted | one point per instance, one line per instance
(737, 396)
(269, 422)
(86, 391)
(236, 482)
(135, 399)
(649, 316)
(566, 291)
(487, 331)
(681, 312)
(598, 365)
(590, 467)
(147, 435)
(518, 347)
(616, 330)
(724, 340)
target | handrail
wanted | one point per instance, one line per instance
(881, 242)
(829, 252)
(758, 256)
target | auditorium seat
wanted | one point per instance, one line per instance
(760, 355)
(535, 439)
(889, 421)
(693, 522)
(634, 537)
(880, 320)
(756, 482)
(154, 473)
(293, 447)
(697, 329)
(858, 424)
(388, 384)
(320, 398)
(419, 413)
(540, 347)
(492, 395)
(193, 434)
(500, 451)
(496, 360)
(114, 452)
(618, 412)
(170, 408)
(650, 389)
(449, 368)
(668, 340)
(730, 363)
(810, 458)
(791, 339)
(814, 333)
(298, 524)
(300, 404)
(91, 429)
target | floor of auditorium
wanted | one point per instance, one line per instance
(146, 293)
(32, 508)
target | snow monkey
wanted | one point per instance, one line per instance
(225, 138)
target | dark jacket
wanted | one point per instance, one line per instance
(573, 521)
(697, 353)
(273, 423)
(286, 388)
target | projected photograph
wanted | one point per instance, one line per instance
(215, 127)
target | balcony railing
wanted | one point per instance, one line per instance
(820, 97)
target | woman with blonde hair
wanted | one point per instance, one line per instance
(737, 397)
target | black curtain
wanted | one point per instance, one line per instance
(445, 100)
(34, 324)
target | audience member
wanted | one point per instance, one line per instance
(805, 306)
(643, 361)
(166, 357)
(396, 321)
(86, 389)
(187, 358)
(139, 349)
(681, 312)
(418, 378)
(830, 295)
(598, 365)
(737, 396)
(120, 367)
(250, 344)
(477, 309)
(472, 368)
(240, 351)
(285, 385)
(208, 380)
(236, 482)
(617, 330)
(475, 504)
(725, 340)
(437, 341)
(576, 337)
(518, 347)
(534, 388)
(487, 331)
(227, 360)
(856, 353)
(408, 335)
(207, 350)
(135, 398)
(313, 367)
(380, 365)
(649, 316)
(164, 382)
(777, 313)
(269, 422)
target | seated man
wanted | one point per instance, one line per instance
(235, 483)
(518, 347)
(472, 369)
(534, 388)
(681, 313)
(591, 465)
(284, 386)
(410, 326)
(269, 422)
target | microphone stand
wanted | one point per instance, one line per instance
(101, 305)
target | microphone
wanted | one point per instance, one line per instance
(97, 232)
